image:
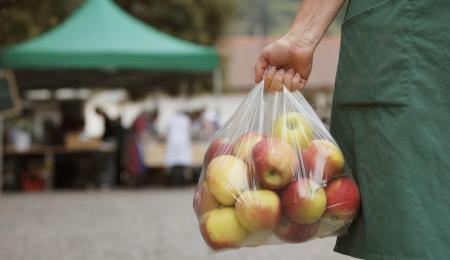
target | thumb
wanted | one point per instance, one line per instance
(260, 68)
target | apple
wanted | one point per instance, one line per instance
(343, 199)
(221, 229)
(275, 162)
(258, 210)
(244, 145)
(204, 201)
(226, 177)
(218, 147)
(304, 201)
(290, 231)
(322, 160)
(294, 128)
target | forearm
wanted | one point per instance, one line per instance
(313, 20)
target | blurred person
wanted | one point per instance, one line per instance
(204, 124)
(111, 126)
(52, 133)
(211, 122)
(389, 115)
(198, 126)
(213, 117)
(179, 148)
(134, 150)
(72, 116)
(113, 133)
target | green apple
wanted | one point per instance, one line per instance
(294, 128)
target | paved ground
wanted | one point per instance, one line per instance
(124, 225)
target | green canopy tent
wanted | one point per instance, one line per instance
(100, 35)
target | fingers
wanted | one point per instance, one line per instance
(274, 79)
(288, 76)
(260, 68)
(277, 82)
(268, 76)
(302, 84)
(297, 83)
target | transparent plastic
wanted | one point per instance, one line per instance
(273, 174)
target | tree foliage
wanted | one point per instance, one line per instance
(23, 19)
(200, 21)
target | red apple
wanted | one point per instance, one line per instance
(258, 210)
(218, 147)
(244, 145)
(204, 201)
(289, 231)
(322, 160)
(343, 199)
(221, 229)
(304, 201)
(275, 162)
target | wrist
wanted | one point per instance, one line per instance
(303, 38)
(313, 20)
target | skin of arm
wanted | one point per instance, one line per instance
(288, 60)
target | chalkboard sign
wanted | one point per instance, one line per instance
(9, 99)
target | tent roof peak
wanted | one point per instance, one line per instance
(100, 34)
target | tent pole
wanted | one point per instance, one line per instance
(217, 83)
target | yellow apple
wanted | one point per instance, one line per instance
(258, 210)
(226, 177)
(204, 201)
(221, 229)
(294, 128)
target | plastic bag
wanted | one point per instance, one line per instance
(273, 174)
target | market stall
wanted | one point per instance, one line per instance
(101, 37)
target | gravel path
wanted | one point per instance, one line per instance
(124, 225)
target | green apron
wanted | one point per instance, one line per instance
(391, 116)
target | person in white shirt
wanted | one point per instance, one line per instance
(179, 148)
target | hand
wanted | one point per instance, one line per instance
(286, 61)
